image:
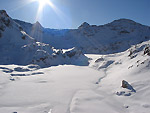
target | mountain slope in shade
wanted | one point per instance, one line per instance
(17, 47)
(113, 37)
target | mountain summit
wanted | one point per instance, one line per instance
(84, 25)
(38, 25)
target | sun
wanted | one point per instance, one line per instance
(42, 3)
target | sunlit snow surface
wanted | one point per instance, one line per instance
(78, 89)
(68, 84)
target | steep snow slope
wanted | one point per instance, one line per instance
(76, 89)
(133, 66)
(17, 47)
(114, 37)
(11, 40)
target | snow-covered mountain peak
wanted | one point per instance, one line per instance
(3, 13)
(38, 24)
(5, 20)
(84, 25)
(124, 24)
(12, 31)
(123, 20)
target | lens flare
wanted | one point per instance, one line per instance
(42, 3)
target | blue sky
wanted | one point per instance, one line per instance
(72, 13)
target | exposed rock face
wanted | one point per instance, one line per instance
(147, 51)
(84, 25)
(125, 84)
(125, 92)
(99, 60)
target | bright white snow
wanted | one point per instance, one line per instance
(54, 89)
(71, 85)
(79, 89)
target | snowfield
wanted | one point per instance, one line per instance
(54, 88)
(79, 89)
(52, 74)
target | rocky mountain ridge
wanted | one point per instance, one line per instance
(113, 37)
(17, 47)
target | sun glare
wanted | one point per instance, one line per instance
(42, 3)
(48, 3)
